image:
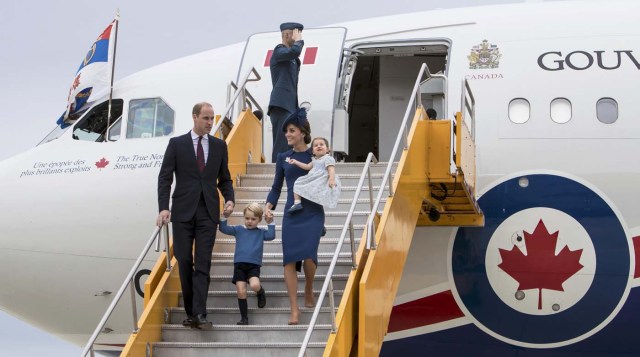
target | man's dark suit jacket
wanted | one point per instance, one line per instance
(285, 67)
(180, 158)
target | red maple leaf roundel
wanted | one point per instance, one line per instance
(541, 268)
(102, 163)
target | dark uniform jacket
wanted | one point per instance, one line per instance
(180, 157)
(285, 67)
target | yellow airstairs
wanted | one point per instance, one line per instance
(433, 184)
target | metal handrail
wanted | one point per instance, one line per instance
(371, 242)
(328, 281)
(241, 87)
(249, 99)
(128, 281)
(468, 106)
(452, 150)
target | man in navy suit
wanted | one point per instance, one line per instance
(285, 67)
(199, 162)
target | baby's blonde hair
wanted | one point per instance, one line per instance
(255, 208)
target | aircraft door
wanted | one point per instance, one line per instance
(319, 73)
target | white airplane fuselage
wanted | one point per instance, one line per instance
(76, 213)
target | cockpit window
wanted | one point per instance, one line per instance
(93, 125)
(149, 118)
(115, 130)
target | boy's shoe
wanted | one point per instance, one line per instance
(243, 321)
(324, 231)
(262, 298)
(295, 208)
(200, 322)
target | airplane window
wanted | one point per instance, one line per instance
(93, 125)
(560, 110)
(149, 118)
(519, 110)
(607, 110)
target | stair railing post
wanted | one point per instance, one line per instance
(134, 308)
(157, 245)
(370, 188)
(353, 246)
(371, 234)
(166, 246)
(333, 307)
(91, 351)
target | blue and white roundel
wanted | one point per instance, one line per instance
(551, 266)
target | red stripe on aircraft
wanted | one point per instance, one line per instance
(426, 311)
(310, 55)
(268, 59)
(636, 246)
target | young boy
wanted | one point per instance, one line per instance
(247, 258)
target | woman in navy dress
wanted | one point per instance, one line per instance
(301, 230)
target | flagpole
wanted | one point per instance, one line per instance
(113, 68)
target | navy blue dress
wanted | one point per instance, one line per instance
(301, 230)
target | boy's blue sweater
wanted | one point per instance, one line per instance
(249, 242)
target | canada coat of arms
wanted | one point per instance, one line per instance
(484, 55)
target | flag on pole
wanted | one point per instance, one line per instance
(93, 76)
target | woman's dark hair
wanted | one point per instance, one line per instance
(306, 130)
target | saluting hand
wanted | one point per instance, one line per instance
(297, 35)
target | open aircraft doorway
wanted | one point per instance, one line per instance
(379, 90)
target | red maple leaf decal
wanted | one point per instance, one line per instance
(102, 163)
(541, 268)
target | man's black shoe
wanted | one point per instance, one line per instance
(262, 298)
(243, 321)
(188, 322)
(200, 322)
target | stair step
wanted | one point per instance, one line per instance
(254, 333)
(327, 245)
(259, 193)
(331, 217)
(239, 349)
(344, 204)
(345, 179)
(341, 168)
(333, 231)
(275, 298)
(274, 266)
(329, 227)
(275, 256)
(276, 282)
(257, 316)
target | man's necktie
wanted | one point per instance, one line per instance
(200, 155)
